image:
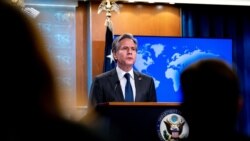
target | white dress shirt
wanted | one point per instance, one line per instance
(123, 80)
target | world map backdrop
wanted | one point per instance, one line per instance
(164, 58)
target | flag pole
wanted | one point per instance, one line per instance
(108, 6)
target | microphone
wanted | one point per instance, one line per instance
(115, 96)
(139, 78)
(116, 84)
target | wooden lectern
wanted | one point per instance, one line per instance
(134, 121)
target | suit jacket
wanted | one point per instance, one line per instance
(106, 88)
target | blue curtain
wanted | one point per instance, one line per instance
(216, 21)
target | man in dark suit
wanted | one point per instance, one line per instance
(110, 86)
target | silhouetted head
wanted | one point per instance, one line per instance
(27, 75)
(210, 96)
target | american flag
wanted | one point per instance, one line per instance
(109, 62)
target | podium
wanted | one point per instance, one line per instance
(135, 121)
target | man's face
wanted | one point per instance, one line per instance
(126, 54)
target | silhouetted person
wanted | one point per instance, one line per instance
(212, 101)
(30, 110)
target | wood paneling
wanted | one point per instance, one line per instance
(138, 19)
(97, 58)
(81, 55)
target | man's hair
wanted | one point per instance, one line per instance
(116, 42)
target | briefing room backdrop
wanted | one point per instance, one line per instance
(76, 26)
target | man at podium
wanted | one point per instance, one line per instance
(114, 85)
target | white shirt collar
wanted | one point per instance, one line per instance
(121, 73)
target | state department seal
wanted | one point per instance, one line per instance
(172, 126)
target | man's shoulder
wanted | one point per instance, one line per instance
(106, 74)
(143, 75)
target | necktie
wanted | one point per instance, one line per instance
(128, 89)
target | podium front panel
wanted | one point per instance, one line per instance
(136, 121)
